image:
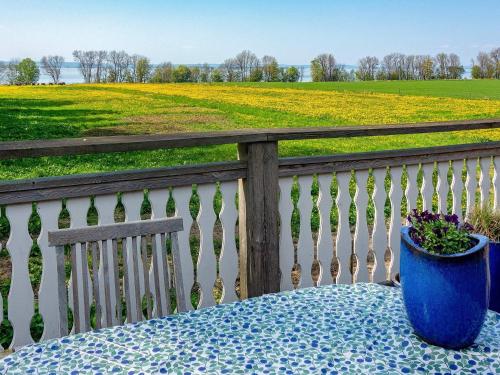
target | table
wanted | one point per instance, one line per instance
(333, 329)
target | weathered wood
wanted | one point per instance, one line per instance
(156, 279)
(73, 146)
(308, 165)
(104, 232)
(107, 289)
(260, 251)
(165, 281)
(135, 271)
(126, 284)
(96, 284)
(61, 292)
(86, 295)
(117, 281)
(179, 287)
(74, 285)
(49, 188)
(143, 250)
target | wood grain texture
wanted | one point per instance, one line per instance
(260, 252)
(111, 231)
(74, 146)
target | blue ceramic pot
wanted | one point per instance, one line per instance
(446, 296)
(495, 276)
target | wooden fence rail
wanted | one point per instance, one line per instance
(263, 198)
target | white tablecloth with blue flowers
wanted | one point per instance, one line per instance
(360, 329)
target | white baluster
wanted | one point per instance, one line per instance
(325, 240)
(344, 242)
(48, 299)
(182, 196)
(159, 200)
(395, 196)
(228, 268)
(286, 241)
(132, 203)
(21, 309)
(427, 189)
(442, 186)
(206, 265)
(496, 182)
(471, 185)
(411, 191)
(484, 180)
(457, 187)
(78, 209)
(105, 206)
(361, 230)
(305, 245)
(379, 236)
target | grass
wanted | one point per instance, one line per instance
(48, 112)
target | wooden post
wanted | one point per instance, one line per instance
(258, 220)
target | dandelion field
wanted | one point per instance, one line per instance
(42, 112)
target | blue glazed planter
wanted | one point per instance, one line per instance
(446, 296)
(495, 276)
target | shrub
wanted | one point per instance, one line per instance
(487, 222)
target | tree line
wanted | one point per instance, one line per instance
(119, 66)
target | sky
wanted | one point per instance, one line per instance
(198, 31)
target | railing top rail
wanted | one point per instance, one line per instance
(73, 146)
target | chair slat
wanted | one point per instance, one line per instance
(74, 286)
(179, 287)
(96, 284)
(164, 265)
(107, 290)
(126, 280)
(147, 291)
(62, 292)
(85, 272)
(135, 271)
(156, 278)
(117, 281)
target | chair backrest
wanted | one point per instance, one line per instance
(110, 246)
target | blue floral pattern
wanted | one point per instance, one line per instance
(327, 330)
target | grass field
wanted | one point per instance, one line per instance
(43, 112)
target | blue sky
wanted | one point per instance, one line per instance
(192, 31)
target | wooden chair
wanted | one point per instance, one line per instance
(103, 244)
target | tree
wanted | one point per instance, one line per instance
(216, 76)
(486, 65)
(52, 66)
(142, 70)
(442, 65)
(205, 73)
(292, 74)
(229, 71)
(182, 73)
(323, 68)
(3, 71)
(455, 68)
(195, 74)
(270, 69)
(12, 72)
(495, 58)
(163, 73)
(86, 61)
(256, 74)
(27, 72)
(427, 68)
(367, 68)
(118, 63)
(100, 66)
(245, 62)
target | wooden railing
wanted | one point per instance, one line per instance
(277, 248)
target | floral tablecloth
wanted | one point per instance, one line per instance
(360, 329)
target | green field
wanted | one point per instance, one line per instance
(43, 112)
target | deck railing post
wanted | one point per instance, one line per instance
(259, 220)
